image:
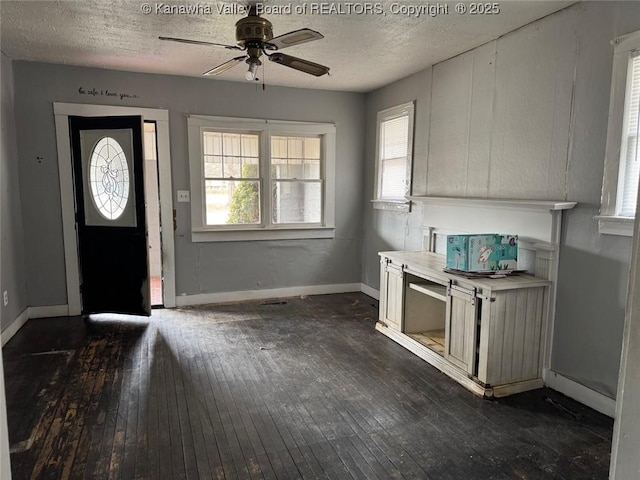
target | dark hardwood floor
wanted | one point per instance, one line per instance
(300, 388)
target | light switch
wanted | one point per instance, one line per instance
(183, 195)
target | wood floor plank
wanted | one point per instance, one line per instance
(141, 448)
(103, 440)
(122, 417)
(99, 372)
(287, 389)
(181, 352)
(195, 414)
(164, 468)
(88, 383)
(172, 377)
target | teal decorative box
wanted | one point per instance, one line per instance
(482, 252)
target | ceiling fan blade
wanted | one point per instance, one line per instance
(299, 64)
(223, 67)
(198, 42)
(296, 37)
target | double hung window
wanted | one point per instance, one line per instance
(394, 153)
(257, 179)
(622, 161)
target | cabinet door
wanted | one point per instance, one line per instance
(510, 343)
(391, 295)
(460, 328)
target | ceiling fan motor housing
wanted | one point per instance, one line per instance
(252, 31)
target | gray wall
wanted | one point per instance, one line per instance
(13, 275)
(525, 116)
(383, 229)
(202, 267)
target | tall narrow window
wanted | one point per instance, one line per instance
(622, 158)
(394, 153)
(629, 155)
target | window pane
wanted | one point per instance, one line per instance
(212, 166)
(279, 147)
(231, 144)
(295, 158)
(232, 167)
(312, 169)
(297, 202)
(212, 143)
(631, 175)
(312, 148)
(630, 157)
(394, 137)
(230, 155)
(394, 174)
(295, 169)
(250, 168)
(109, 178)
(279, 168)
(232, 202)
(394, 152)
(250, 146)
(295, 149)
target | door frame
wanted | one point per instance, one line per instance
(62, 112)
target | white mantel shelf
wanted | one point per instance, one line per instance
(539, 222)
(551, 205)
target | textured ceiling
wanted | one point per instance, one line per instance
(364, 51)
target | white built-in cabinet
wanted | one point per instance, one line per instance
(484, 333)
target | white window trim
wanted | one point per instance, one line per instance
(398, 205)
(200, 232)
(608, 222)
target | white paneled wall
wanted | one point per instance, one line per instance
(500, 116)
(481, 120)
(534, 84)
(461, 124)
(449, 141)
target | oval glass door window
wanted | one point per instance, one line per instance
(109, 178)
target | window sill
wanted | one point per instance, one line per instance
(612, 225)
(393, 205)
(291, 233)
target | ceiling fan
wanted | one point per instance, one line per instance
(254, 35)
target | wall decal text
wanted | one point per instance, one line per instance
(106, 93)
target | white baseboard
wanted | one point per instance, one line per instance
(372, 292)
(223, 297)
(29, 313)
(14, 326)
(49, 311)
(579, 392)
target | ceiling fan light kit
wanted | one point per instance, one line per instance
(254, 63)
(254, 35)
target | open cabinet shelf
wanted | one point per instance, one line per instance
(431, 289)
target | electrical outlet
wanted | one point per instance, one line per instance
(183, 195)
(5, 298)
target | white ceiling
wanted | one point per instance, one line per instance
(364, 51)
